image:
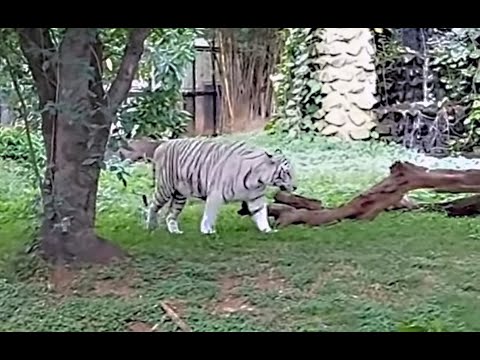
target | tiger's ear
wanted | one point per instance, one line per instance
(278, 152)
(269, 155)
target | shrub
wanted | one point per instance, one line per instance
(158, 111)
(155, 113)
(14, 145)
(297, 89)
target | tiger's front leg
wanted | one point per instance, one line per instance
(258, 209)
(210, 212)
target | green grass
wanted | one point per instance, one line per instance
(401, 272)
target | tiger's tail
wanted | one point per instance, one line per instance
(144, 197)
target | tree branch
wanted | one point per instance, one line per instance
(128, 68)
(388, 193)
(38, 48)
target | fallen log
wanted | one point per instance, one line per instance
(285, 202)
(388, 193)
(469, 206)
(289, 202)
(274, 210)
(298, 201)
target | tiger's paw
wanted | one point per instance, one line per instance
(176, 231)
(208, 231)
(206, 228)
(173, 228)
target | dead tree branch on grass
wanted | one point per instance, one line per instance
(468, 206)
(387, 194)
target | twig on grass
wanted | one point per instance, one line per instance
(174, 317)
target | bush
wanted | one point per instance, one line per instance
(158, 111)
(156, 114)
(14, 145)
(297, 89)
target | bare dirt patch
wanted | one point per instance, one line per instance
(376, 292)
(119, 288)
(229, 301)
(271, 280)
(139, 326)
(66, 282)
(63, 281)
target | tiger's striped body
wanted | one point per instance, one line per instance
(217, 173)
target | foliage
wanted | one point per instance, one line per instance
(297, 90)
(413, 269)
(456, 57)
(388, 51)
(158, 111)
(14, 144)
(11, 54)
(431, 326)
(453, 63)
(155, 113)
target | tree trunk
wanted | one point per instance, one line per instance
(76, 137)
(67, 234)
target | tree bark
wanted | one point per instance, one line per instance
(298, 202)
(389, 193)
(469, 206)
(77, 132)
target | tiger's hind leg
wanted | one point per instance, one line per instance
(258, 209)
(156, 204)
(176, 206)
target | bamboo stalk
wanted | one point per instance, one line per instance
(224, 78)
(245, 74)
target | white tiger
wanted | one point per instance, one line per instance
(217, 173)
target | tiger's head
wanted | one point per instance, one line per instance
(283, 175)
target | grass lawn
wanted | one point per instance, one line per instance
(402, 271)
